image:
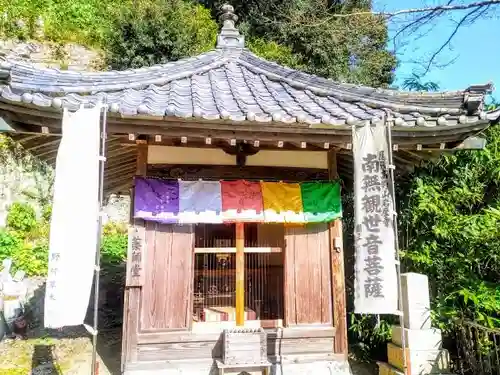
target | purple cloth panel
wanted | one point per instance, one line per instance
(156, 200)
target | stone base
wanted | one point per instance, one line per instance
(311, 368)
(387, 369)
(419, 361)
(418, 339)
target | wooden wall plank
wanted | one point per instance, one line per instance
(276, 346)
(308, 282)
(314, 241)
(130, 325)
(167, 293)
(290, 308)
(148, 294)
(302, 274)
(319, 331)
(326, 281)
(271, 235)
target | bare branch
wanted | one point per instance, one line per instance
(455, 30)
(429, 11)
(440, 8)
(413, 23)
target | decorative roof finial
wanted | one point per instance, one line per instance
(229, 36)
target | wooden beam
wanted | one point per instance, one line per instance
(240, 274)
(338, 272)
(232, 250)
(22, 117)
(232, 171)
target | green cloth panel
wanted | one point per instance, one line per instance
(321, 201)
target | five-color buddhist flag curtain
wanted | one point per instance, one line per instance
(189, 202)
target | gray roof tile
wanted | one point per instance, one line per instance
(232, 84)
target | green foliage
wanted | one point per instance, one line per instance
(451, 219)
(298, 33)
(31, 258)
(414, 83)
(82, 21)
(21, 217)
(349, 49)
(25, 241)
(8, 244)
(114, 248)
(158, 31)
(273, 51)
(369, 336)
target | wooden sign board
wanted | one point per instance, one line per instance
(136, 255)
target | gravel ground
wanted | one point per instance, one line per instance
(68, 352)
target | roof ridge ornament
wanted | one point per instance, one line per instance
(229, 36)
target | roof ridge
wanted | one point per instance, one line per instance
(26, 76)
(485, 88)
(392, 99)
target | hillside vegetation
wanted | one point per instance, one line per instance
(449, 210)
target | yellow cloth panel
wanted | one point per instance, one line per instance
(282, 202)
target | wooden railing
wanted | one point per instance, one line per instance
(478, 349)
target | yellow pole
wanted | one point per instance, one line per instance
(240, 274)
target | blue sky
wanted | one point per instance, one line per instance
(474, 48)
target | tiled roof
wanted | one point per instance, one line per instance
(234, 85)
(231, 83)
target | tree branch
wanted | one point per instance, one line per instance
(437, 8)
(434, 11)
(455, 30)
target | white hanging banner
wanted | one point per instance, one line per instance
(74, 222)
(376, 290)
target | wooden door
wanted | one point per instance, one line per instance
(168, 277)
(308, 288)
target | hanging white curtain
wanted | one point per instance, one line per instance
(376, 283)
(74, 223)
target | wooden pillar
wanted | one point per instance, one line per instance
(240, 274)
(132, 297)
(142, 158)
(338, 273)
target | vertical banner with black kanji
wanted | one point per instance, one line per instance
(75, 220)
(376, 284)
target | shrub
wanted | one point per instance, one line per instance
(9, 243)
(32, 259)
(370, 337)
(21, 217)
(114, 249)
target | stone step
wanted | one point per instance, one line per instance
(419, 361)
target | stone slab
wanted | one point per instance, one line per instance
(418, 339)
(419, 362)
(416, 301)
